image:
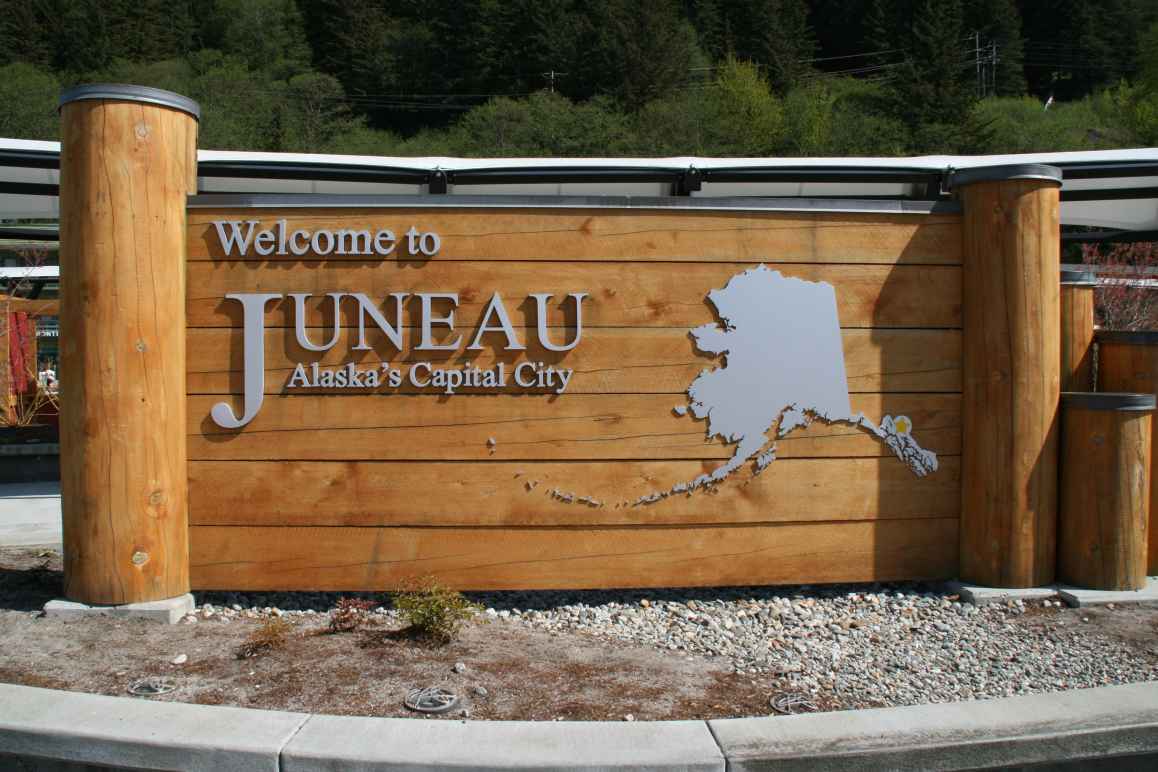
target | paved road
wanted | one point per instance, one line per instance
(30, 514)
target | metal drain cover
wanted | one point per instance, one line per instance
(150, 687)
(793, 702)
(431, 700)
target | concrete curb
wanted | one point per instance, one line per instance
(1064, 727)
(44, 728)
(339, 742)
(119, 732)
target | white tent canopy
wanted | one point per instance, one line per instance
(1114, 189)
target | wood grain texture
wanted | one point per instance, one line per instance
(608, 360)
(123, 183)
(1011, 378)
(1105, 498)
(621, 294)
(548, 558)
(1129, 367)
(632, 234)
(523, 493)
(1077, 337)
(572, 427)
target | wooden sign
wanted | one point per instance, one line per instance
(346, 393)
(523, 426)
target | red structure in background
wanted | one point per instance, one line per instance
(1126, 298)
(21, 353)
(24, 403)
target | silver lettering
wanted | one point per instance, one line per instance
(316, 242)
(429, 320)
(264, 243)
(299, 242)
(392, 331)
(519, 374)
(496, 307)
(300, 320)
(414, 375)
(353, 242)
(253, 357)
(384, 242)
(234, 240)
(541, 300)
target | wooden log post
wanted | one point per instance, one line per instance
(1128, 361)
(1077, 330)
(1105, 489)
(125, 170)
(1011, 322)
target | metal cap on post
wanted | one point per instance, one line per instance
(1075, 278)
(128, 161)
(1011, 373)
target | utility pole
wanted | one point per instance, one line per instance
(551, 75)
(977, 63)
(993, 67)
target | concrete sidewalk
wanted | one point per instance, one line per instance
(30, 514)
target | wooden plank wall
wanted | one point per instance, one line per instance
(361, 491)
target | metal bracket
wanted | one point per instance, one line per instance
(692, 179)
(437, 182)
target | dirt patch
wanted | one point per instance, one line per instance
(511, 673)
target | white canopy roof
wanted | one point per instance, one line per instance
(1115, 189)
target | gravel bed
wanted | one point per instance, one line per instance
(866, 645)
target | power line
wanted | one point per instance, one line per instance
(850, 56)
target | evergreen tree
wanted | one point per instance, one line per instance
(933, 90)
(637, 50)
(267, 34)
(711, 24)
(1073, 47)
(838, 26)
(785, 42)
(75, 36)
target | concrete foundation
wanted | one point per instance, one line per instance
(1077, 597)
(168, 611)
(980, 596)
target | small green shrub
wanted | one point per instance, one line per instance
(432, 610)
(272, 634)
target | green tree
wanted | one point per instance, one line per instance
(709, 18)
(266, 34)
(1074, 47)
(29, 96)
(75, 36)
(842, 117)
(238, 106)
(783, 40)
(544, 124)
(932, 89)
(637, 50)
(1021, 125)
(737, 114)
(313, 113)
